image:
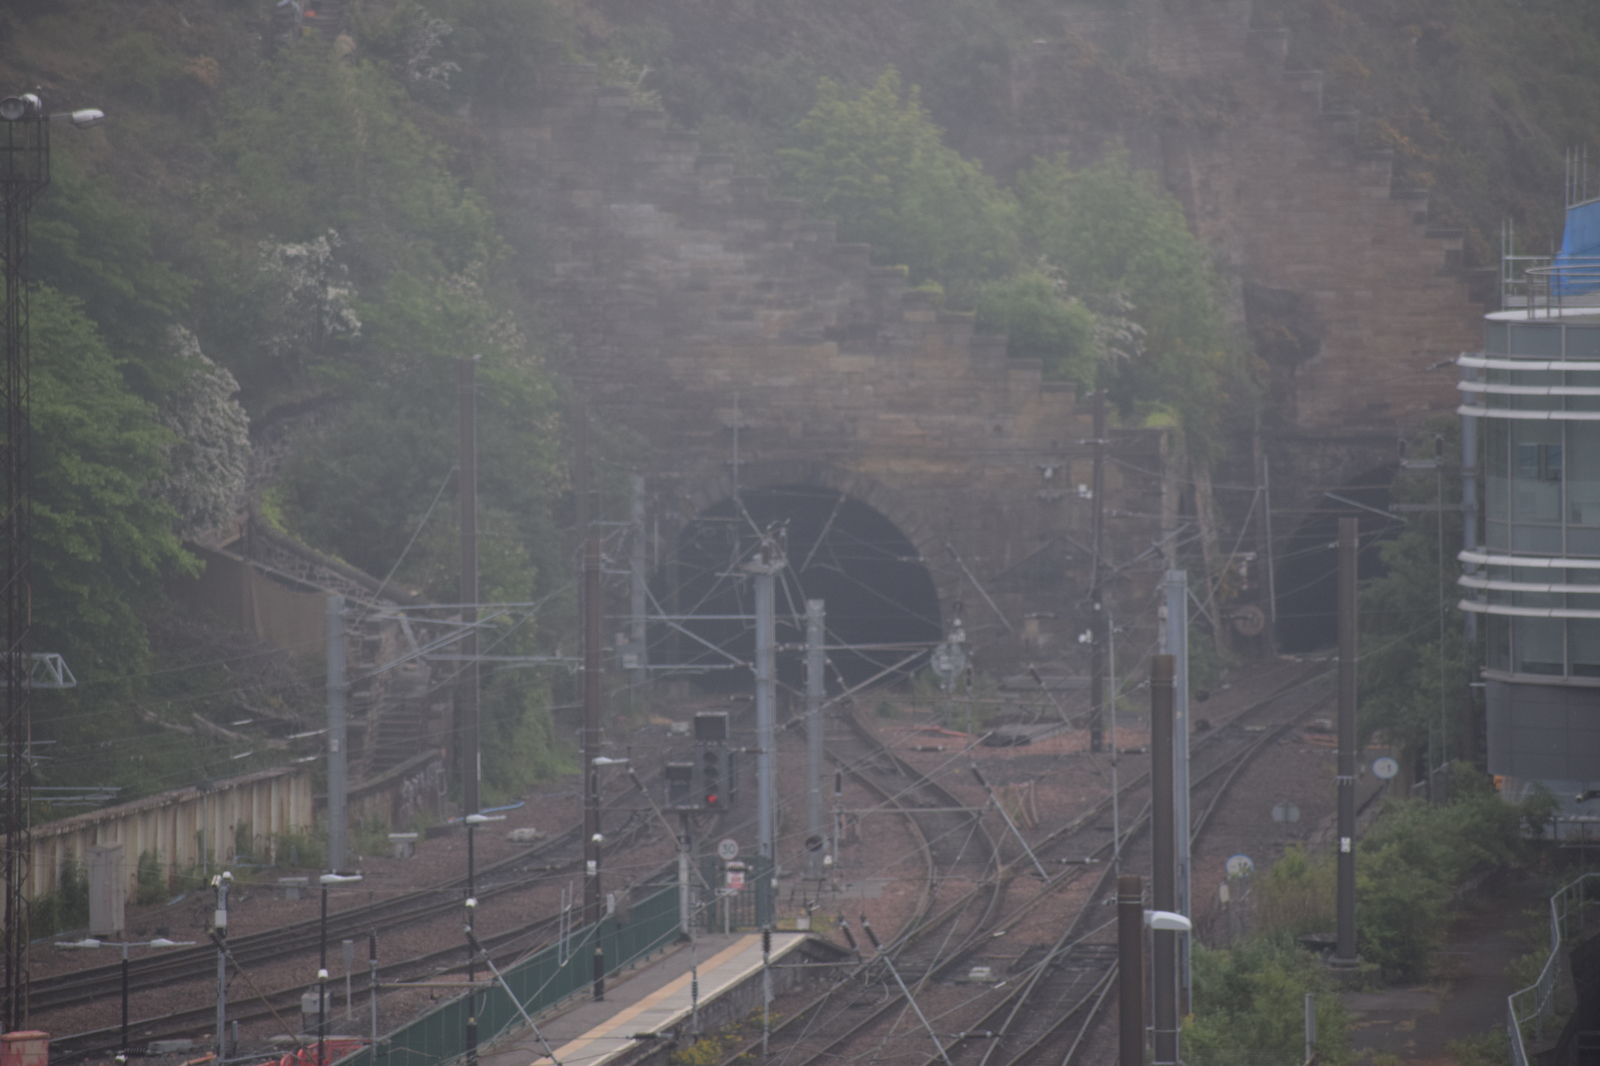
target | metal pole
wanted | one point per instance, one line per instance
(349, 964)
(472, 973)
(685, 910)
(1163, 855)
(1346, 872)
(1438, 517)
(338, 755)
(467, 711)
(24, 174)
(591, 729)
(766, 698)
(1178, 646)
(1311, 1024)
(372, 987)
(1116, 809)
(122, 1046)
(322, 982)
(1097, 635)
(1130, 970)
(219, 923)
(983, 781)
(639, 635)
(1469, 508)
(904, 991)
(1272, 576)
(815, 664)
(766, 990)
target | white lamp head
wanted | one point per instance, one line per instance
(1167, 922)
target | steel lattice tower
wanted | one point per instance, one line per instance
(24, 172)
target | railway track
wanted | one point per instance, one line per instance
(503, 948)
(1049, 1014)
(1049, 1006)
(551, 860)
(956, 849)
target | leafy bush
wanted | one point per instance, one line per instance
(1251, 999)
(149, 879)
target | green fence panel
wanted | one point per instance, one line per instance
(540, 981)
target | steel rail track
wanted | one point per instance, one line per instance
(155, 971)
(948, 846)
(981, 935)
(1065, 992)
(505, 949)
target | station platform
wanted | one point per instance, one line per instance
(648, 1002)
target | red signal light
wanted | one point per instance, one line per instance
(712, 799)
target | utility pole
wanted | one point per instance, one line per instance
(1097, 624)
(592, 904)
(638, 636)
(1130, 970)
(338, 755)
(815, 664)
(467, 691)
(1178, 646)
(24, 173)
(219, 923)
(1163, 854)
(1345, 956)
(767, 562)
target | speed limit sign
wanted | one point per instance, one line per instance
(727, 849)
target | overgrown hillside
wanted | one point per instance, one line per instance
(290, 227)
(279, 228)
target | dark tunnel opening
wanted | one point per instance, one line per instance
(1308, 569)
(876, 589)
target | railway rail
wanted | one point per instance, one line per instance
(1051, 1006)
(550, 860)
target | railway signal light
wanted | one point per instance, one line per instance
(680, 784)
(711, 760)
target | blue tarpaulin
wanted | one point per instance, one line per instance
(1578, 265)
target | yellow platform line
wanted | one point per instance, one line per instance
(599, 1032)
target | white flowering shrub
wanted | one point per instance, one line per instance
(207, 463)
(316, 298)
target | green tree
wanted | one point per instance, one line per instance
(876, 163)
(102, 537)
(1250, 1000)
(1402, 670)
(1111, 228)
(1041, 320)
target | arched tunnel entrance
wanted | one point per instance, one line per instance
(879, 595)
(1308, 567)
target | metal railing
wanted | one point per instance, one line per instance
(1559, 285)
(539, 982)
(1534, 1006)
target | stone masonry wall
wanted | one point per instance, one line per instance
(696, 302)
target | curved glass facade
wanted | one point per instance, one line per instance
(1536, 389)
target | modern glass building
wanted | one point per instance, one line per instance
(1531, 568)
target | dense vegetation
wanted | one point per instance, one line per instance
(299, 235)
(1409, 865)
(293, 235)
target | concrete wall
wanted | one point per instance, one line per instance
(189, 827)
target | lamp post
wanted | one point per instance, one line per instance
(322, 962)
(92, 943)
(473, 821)
(1131, 915)
(595, 892)
(24, 173)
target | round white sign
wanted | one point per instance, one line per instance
(727, 849)
(1384, 767)
(1239, 866)
(948, 660)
